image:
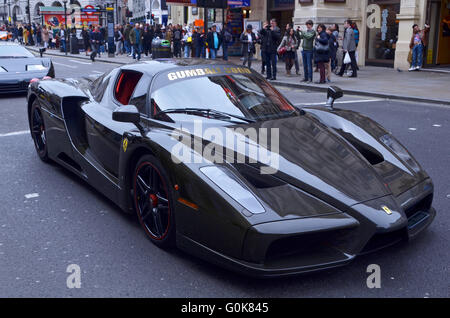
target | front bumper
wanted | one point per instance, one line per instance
(316, 243)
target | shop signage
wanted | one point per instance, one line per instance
(374, 19)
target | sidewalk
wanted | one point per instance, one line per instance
(422, 86)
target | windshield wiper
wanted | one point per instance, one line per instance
(204, 112)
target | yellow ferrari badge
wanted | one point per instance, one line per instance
(125, 144)
(386, 209)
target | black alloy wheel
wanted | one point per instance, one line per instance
(38, 132)
(153, 201)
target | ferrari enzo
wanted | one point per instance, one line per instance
(341, 185)
(18, 66)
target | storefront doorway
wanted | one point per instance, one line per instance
(382, 32)
(438, 50)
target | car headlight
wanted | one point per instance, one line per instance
(400, 151)
(36, 67)
(230, 184)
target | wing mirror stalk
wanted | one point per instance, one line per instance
(41, 51)
(333, 93)
(128, 114)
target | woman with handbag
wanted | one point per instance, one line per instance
(322, 51)
(287, 48)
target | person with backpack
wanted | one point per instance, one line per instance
(227, 39)
(248, 40)
(176, 39)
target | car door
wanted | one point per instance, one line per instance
(103, 133)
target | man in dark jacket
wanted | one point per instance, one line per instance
(349, 45)
(96, 41)
(136, 36)
(271, 35)
(176, 39)
(214, 40)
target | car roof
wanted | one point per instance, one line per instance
(151, 68)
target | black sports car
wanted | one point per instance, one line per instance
(216, 161)
(18, 67)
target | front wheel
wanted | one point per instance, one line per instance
(38, 132)
(153, 201)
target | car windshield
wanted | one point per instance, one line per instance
(14, 51)
(243, 95)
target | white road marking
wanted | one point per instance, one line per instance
(64, 64)
(97, 72)
(341, 102)
(412, 128)
(15, 133)
(80, 62)
(436, 125)
(31, 195)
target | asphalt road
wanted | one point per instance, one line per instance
(68, 222)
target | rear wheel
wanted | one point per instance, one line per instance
(153, 201)
(38, 132)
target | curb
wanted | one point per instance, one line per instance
(77, 57)
(298, 85)
(364, 93)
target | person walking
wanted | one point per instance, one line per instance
(348, 46)
(96, 40)
(335, 32)
(289, 43)
(333, 48)
(197, 40)
(214, 40)
(307, 49)
(118, 37)
(248, 40)
(271, 35)
(227, 39)
(322, 51)
(187, 40)
(45, 36)
(136, 41)
(177, 36)
(86, 42)
(418, 41)
(147, 38)
(126, 40)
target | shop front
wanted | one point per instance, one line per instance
(382, 32)
(438, 50)
(282, 11)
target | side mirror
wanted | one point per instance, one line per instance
(126, 114)
(333, 93)
(41, 51)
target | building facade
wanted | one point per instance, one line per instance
(385, 26)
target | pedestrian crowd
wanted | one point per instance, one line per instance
(319, 45)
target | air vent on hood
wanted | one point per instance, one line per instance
(255, 178)
(371, 154)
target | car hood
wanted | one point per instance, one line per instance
(19, 65)
(309, 156)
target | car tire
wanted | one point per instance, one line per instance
(38, 132)
(153, 201)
